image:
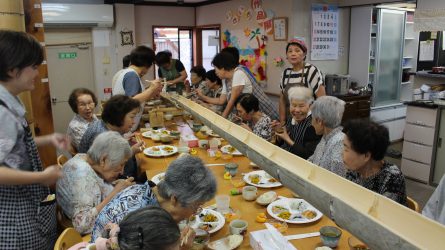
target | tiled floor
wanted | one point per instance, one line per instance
(418, 191)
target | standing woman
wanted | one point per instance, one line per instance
(301, 74)
(27, 219)
(171, 69)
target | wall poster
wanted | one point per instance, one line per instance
(324, 39)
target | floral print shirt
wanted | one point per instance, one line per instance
(389, 182)
(79, 191)
(329, 152)
(129, 200)
(77, 128)
(262, 128)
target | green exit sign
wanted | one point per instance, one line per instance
(67, 55)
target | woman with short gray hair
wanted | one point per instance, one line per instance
(298, 136)
(327, 113)
(187, 185)
(86, 184)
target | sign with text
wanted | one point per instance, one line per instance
(324, 40)
(67, 55)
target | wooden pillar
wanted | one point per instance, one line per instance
(40, 96)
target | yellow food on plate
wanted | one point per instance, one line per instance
(230, 149)
(209, 218)
(193, 151)
(279, 209)
(254, 178)
(168, 149)
(272, 180)
(201, 135)
(284, 215)
(309, 214)
(165, 132)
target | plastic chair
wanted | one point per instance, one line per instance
(412, 204)
(61, 159)
(68, 238)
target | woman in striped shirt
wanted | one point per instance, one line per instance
(301, 74)
(298, 136)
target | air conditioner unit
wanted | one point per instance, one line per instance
(77, 15)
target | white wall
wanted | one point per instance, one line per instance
(430, 4)
(299, 16)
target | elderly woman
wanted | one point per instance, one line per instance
(211, 98)
(149, 228)
(252, 118)
(85, 187)
(327, 112)
(118, 115)
(365, 145)
(298, 136)
(302, 74)
(82, 101)
(197, 79)
(187, 185)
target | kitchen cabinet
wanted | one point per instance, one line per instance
(419, 145)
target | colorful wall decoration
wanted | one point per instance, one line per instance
(250, 42)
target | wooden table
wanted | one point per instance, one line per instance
(248, 209)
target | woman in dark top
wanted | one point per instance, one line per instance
(298, 136)
(365, 146)
(171, 69)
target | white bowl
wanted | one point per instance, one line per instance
(168, 117)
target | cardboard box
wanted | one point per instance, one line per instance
(262, 240)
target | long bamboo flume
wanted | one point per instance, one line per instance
(378, 221)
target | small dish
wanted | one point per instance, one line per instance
(266, 198)
(201, 240)
(230, 242)
(168, 117)
(166, 138)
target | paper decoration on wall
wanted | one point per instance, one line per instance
(229, 16)
(241, 10)
(235, 20)
(256, 4)
(324, 44)
(252, 51)
(248, 14)
(260, 16)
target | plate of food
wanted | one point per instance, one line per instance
(160, 151)
(227, 243)
(148, 134)
(292, 210)
(208, 220)
(228, 149)
(158, 178)
(261, 179)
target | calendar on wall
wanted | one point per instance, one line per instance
(324, 39)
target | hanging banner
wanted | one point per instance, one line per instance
(324, 40)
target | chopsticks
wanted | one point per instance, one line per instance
(138, 139)
(184, 239)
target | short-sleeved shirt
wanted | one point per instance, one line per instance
(178, 66)
(77, 128)
(310, 76)
(389, 182)
(129, 200)
(79, 191)
(239, 79)
(95, 128)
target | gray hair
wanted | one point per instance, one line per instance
(150, 228)
(301, 94)
(329, 109)
(112, 145)
(189, 181)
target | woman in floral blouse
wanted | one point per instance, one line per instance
(327, 112)
(86, 184)
(365, 145)
(82, 101)
(257, 122)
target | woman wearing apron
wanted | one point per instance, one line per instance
(301, 74)
(27, 213)
(128, 81)
(172, 70)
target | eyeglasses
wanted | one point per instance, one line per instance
(84, 105)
